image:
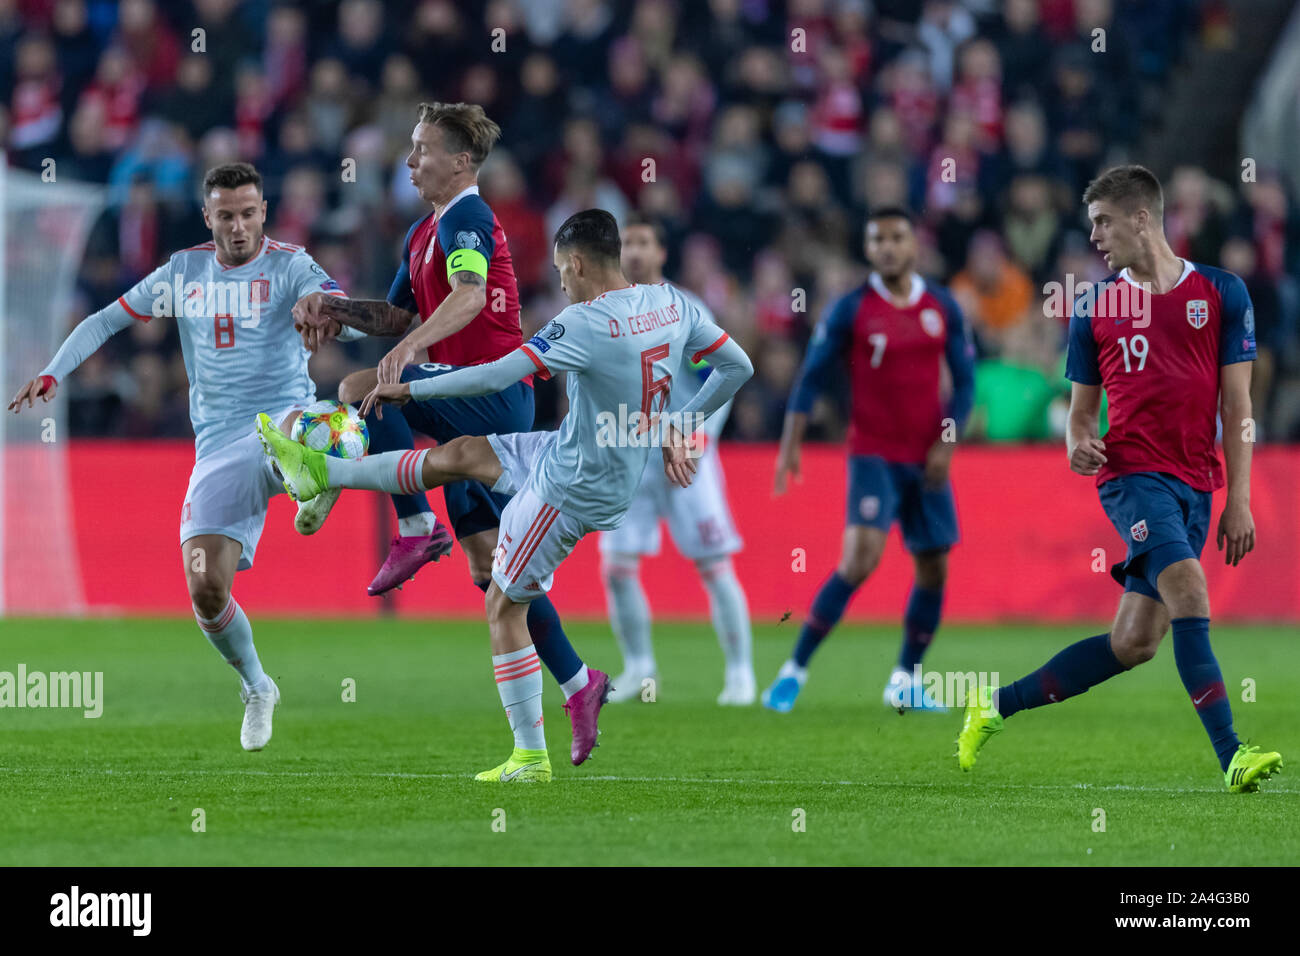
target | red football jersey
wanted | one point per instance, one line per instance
(896, 356)
(1158, 357)
(468, 235)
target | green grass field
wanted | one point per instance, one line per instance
(388, 779)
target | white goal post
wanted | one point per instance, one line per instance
(43, 232)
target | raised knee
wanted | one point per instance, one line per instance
(353, 389)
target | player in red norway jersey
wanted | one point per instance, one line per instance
(898, 332)
(456, 277)
(1172, 343)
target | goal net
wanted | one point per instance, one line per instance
(43, 232)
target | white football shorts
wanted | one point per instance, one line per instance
(698, 516)
(534, 536)
(229, 491)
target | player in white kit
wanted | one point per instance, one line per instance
(698, 519)
(231, 298)
(623, 346)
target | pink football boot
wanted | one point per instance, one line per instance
(583, 709)
(408, 555)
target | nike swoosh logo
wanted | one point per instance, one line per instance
(1121, 321)
(1196, 701)
(507, 777)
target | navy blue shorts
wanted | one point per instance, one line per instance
(1161, 518)
(881, 492)
(471, 507)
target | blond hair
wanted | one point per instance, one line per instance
(465, 128)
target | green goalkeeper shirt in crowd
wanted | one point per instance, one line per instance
(1013, 399)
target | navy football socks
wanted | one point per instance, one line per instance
(920, 621)
(1071, 672)
(827, 609)
(1201, 676)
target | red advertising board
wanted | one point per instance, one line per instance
(1035, 546)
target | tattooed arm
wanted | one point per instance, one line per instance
(321, 317)
(371, 316)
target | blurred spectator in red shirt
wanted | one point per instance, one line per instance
(36, 116)
(979, 92)
(914, 99)
(116, 91)
(149, 41)
(285, 57)
(253, 107)
(506, 192)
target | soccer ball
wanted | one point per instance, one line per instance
(332, 427)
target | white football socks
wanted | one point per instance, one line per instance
(417, 526)
(629, 613)
(730, 613)
(519, 682)
(232, 636)
(791, 669)
(396, 472)
(577, 682)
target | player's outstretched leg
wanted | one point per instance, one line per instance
(861, 551)
(730, 613)
(420, 538)
(1139, 625)
(629, 615)
(210, 563)
(307, 472)
(1082, 665)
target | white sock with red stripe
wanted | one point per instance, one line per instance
(232, 636)
(396, 472)
(519, 682)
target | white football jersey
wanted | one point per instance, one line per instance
(624, 352)
(242, 354)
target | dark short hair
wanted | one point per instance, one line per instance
(465, 128)
(1130, 187)
(654, 225)
(231, 176)
(889, 212)
(593, 231)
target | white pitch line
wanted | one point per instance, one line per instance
(610, 778)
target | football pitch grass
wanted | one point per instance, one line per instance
(388, 779)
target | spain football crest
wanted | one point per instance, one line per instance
(1198, 313)
(1139, 530)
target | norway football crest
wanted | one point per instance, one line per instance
(1198, 313)
(932, 322)
(1139, 530)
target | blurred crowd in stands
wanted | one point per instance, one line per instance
(772, 127)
